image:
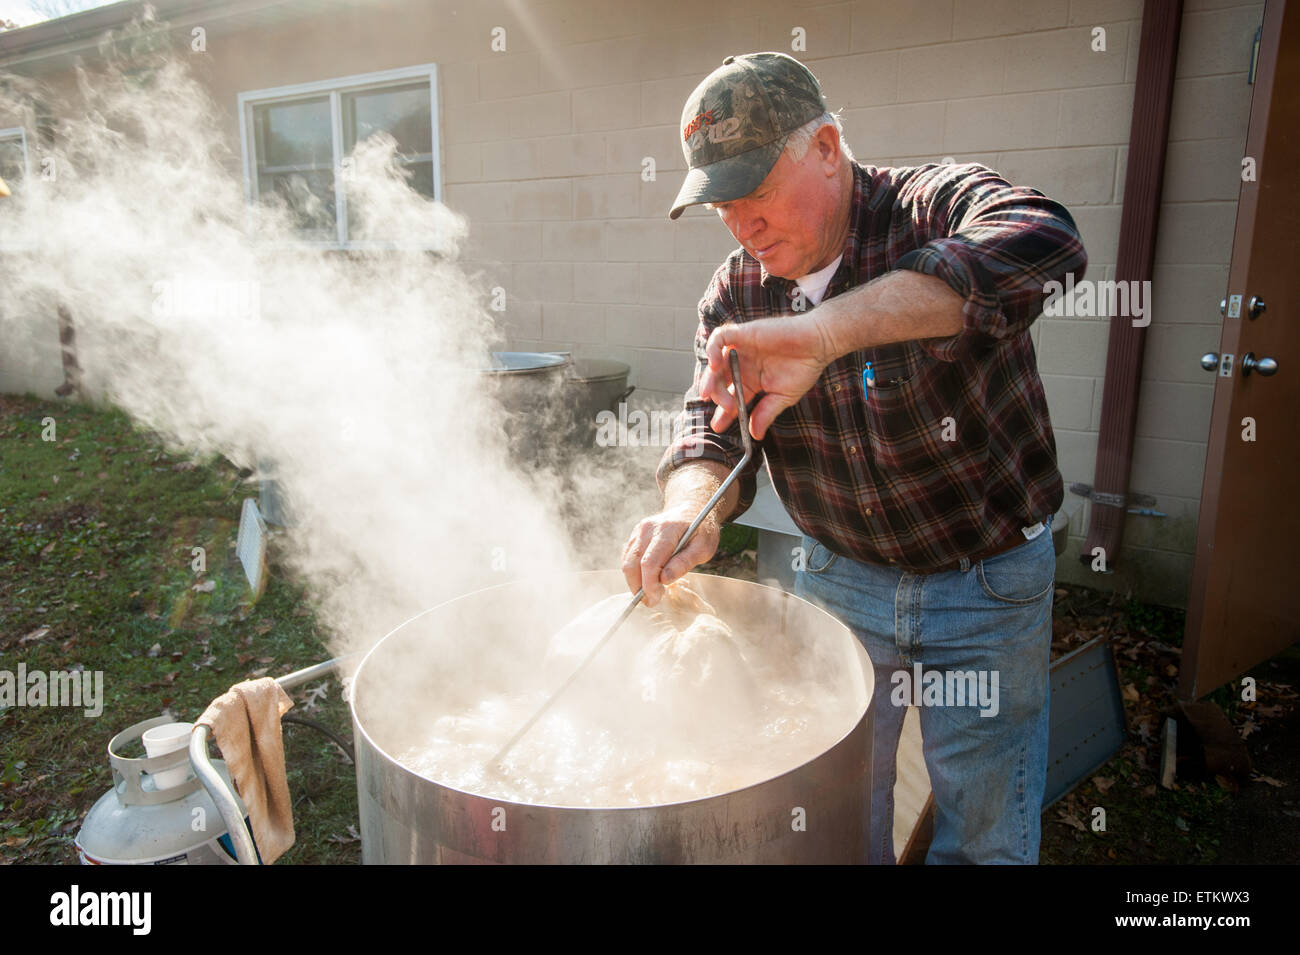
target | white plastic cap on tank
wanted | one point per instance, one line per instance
(168, 738)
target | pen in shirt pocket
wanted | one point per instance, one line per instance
(868, 379)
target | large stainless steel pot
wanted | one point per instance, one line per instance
(817, 811)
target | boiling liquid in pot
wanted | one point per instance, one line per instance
(677, 706)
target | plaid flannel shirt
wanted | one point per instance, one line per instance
(951, 452)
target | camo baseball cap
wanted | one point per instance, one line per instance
(736, 123)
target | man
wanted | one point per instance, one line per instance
(882, 320)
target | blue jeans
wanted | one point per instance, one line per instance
(987, 759)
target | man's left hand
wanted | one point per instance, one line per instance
(781, 358)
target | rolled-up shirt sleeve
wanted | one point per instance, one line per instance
(693, 438)
(996, 245)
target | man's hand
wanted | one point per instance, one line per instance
(782, 358)
(646, 555)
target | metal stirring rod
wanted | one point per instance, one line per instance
(748, 443)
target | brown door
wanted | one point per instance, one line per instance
(1244, 604)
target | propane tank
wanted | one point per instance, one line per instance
(138, 822)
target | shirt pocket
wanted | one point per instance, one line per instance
(904, 417)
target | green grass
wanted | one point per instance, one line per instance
(97, 530)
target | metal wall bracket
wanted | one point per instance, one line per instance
(1132, 500)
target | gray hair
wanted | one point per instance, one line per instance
(797, 145)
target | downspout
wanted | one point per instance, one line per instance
(1148, 136)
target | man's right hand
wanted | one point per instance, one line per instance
(646, 557)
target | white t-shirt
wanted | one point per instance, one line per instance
(814, 285)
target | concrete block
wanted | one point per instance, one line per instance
(1065, 58)
(892, 26)
(581, 155)
(508, 75)
(895, 130)
(1069, 400)
(573, 322)
(976, 18)
(541, 199)
(1084, 176)
(1176, 410)
(608, 197)
(508, 159)
(616, 107)
(1009, 121)
(1196, 233)
(864, 79)
(609, 282)
(639, 240)
(643, 326)
(627, 149)
(542, 281)
(1207, 169)
(826, 30)
(573, 241)
(1095, 116)
(952, 69)
(544, 114)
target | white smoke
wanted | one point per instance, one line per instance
(356, 375)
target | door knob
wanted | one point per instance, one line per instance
(1255, 308)
(1210, 361)
(1265, 366)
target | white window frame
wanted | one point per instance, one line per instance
(20, 133)
(336, 87)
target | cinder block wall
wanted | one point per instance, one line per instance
(547, 144)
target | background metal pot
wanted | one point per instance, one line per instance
(816, 811)
(594, 385)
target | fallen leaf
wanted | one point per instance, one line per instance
(1275, 783)
(352, 836)
(1102, 783)
(1130, 693)
(266, 659)
(259, 672)
(1070, 819)
(1181, 823)
(1171, 670)
(35, 635)
(45, 551)
(1248, 727)
(154, 650)
(206, 587)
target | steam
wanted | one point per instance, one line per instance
(356, 377)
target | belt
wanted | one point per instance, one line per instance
(1011, 544)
